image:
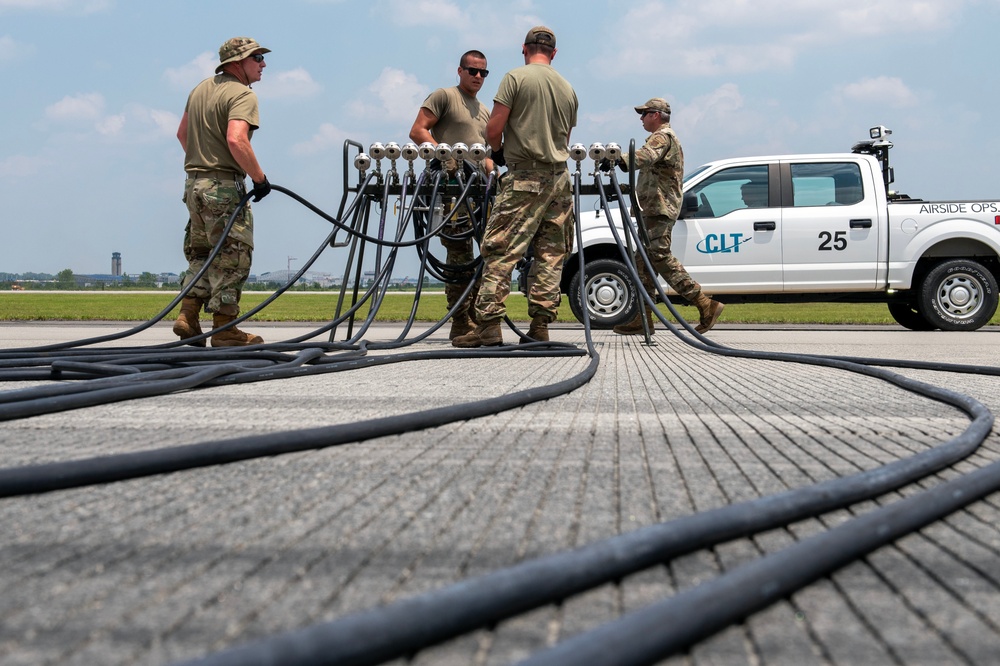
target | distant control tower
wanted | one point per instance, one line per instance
(116, 263)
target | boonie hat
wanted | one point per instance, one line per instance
(655, 104)
(238, 48)
(541, 35)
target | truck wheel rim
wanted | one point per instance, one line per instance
(960, 296)
(605, 295)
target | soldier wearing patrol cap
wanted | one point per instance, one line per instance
(533, 113)
(658, 189)
(219, 120)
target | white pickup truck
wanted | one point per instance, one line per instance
(813, 228)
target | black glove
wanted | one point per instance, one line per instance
(622, 165)
(434, 164)
(604, 165)
(498, 157)
(261, 189)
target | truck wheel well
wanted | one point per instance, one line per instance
(955, 249)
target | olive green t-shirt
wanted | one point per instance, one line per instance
(461, 118)
(210, 106)
(543, 108)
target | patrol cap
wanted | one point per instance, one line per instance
(540, 35)
(655, 104)
(238, 48)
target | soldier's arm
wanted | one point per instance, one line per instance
(421, 130)
(182, 132)
(238, 139)
(652, 151)
(494, 128)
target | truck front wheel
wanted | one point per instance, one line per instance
(907, 316)
(958, 295)
(609, 292)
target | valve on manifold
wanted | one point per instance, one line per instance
(409, 151)
(442, 152)
(459, 151)
(426, 150)
(477, 152)
(597, 151)
(613, 152)
(578, 152)
(392, 150)
(362, 161)
(376, 150)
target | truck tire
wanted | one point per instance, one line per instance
(958, 295)
(611, 296)
(908, 316)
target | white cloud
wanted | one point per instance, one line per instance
(77, 108)
(881, 90)
(110, 125)
(187, 76)
(393, 96)
(724, 37)
(328, 137)
(11, 50)
(21, 166)
(295, 83)
(451, 23)
(74, 6)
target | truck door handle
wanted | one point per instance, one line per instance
(764, 226)
(861, 224)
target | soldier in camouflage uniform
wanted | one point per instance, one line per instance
(658, 189)
(454, 115)
(219, 119)
(534, 206)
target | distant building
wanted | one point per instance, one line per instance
(116, 263)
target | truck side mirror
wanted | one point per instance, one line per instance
(689, 206)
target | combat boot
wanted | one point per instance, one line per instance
(461, 324)
(231, 337)
(187, 324)
(709, 312)
(486, 335)
(634, 327)
(538, 331)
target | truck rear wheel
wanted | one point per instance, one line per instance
(958, 295)
(907, 316)
(611, 296)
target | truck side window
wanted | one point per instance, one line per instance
(826, 184)
(731, 189)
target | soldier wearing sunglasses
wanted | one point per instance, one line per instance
(455, 115)
(219, 120)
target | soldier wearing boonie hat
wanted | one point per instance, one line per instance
(534, 110)
(219, 120)
(658, 190)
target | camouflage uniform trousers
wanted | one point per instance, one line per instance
(460, 252)
(533, 208)
(210, 203)
(659, 229)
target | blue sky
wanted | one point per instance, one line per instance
(94, 89)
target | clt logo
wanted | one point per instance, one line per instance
(716, 243)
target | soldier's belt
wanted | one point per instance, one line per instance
(218, 175)
(553, 167)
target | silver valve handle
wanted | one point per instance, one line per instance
(597, 151)
(459, 151)
(392, 150)
(426, 150)
(376, 150)
(410, 151)
(442, 152)
(613, 152)
(478, 152)
(362, 162)
(578, 152)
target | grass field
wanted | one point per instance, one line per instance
(321, 306)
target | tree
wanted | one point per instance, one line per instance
(65, 279)
(146, 279)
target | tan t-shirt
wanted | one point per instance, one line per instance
(460, 117)
(543, 108)
(210, 106)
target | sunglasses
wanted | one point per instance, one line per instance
(258, 57)
(647, 112)
(476, 71)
